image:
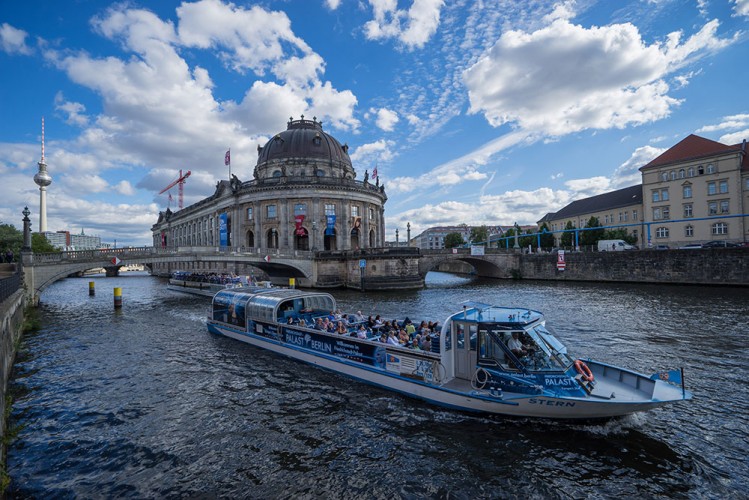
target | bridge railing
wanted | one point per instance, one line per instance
(9, 285)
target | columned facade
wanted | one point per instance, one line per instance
(304, 196)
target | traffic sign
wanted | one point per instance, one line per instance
(115, 260)
(362, 263)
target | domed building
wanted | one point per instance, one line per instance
(304, 196)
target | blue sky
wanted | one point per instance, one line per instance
(477, 112)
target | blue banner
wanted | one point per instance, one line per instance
(330, 226)
(223, 230)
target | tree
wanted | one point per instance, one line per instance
(40, 244)
(547, 239)
(10, 239)
(479, 234)
(453, 240)
(568, 238)
(592, 236)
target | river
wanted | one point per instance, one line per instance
(143, 402)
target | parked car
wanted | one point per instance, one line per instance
(691, 246)
(719, 244)
(661, 247)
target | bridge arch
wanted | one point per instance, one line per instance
(491, 265)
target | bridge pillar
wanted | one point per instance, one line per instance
(112, 271)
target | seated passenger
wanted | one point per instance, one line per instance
(425, 344)
(517, 347)
(359, 317)
(290, 320)
(383, 338)
(341, 328)
(391, 338)
(302, 322)
(403, 337)
(319, 324)
(362, 332)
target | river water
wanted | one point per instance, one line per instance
(144, 403)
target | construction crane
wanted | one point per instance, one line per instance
(181, 182)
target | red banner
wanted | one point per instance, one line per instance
(299, 220)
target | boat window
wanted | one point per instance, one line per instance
(490, 350)
(448, 342)
(460, 337)
(473, 329)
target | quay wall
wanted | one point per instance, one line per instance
(724, 266)
(11, 318)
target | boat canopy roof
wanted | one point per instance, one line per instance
(511, 317)
(262, 303)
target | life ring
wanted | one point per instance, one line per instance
(583, 370)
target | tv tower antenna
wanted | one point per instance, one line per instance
(42, 179)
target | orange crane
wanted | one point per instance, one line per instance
(181, 182)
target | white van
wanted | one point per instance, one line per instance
(613, 246)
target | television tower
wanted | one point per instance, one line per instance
(42, 179)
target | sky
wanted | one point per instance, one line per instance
(473, 111)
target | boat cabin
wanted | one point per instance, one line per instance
(503, 339)
(270, 305)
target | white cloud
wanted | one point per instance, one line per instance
(73, 110)
(628, 173)
(13, 40)
(565, 78)
(741, 8)
(735, 137)
(333, 4)
(374, 153)
(386, 118)
(465, 168)
(413, 28)
(125, 188)
(729, 123)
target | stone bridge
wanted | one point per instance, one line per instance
(494, 263)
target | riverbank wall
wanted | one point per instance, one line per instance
(724, 266)
(11, 318)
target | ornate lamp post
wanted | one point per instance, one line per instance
(26, 230)
(397, 243)
(517, 233)
(408, 234)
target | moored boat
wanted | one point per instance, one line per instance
(487, 359)
(206, 284)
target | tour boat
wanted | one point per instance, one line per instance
(203, 284)
(470, 368)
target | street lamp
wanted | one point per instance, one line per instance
(26, 230)
(396, 238)
(408, 234)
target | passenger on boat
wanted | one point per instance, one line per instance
(302, 322)
(359, 317)
(290, 320)
(410, 328)
(370, 322)
(403, 337)
(383, 338)
(341, 328)
(517, 347)
(362, 332)
(378, 321)
(319, 325)
(391, 338)
(426, 342)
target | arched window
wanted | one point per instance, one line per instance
(700, 170)
(301, 241)
(355, 238)
(320, 173)
(673, 175)
(664, 176)
(710, 168)
(250, 240)
(690, 172)
(330, 242)
(682, 173)
(271, 236)
(276, 173)
(371, 238)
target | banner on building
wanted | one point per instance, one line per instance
(298, 221)
(330, 225)
(223, 229)
(356, 224)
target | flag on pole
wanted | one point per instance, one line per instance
(374, 172)
(227, 158)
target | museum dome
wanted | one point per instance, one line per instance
(303, 150)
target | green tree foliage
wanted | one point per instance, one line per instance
(40, 244)
(568, 239)
(479, 234)
(453, 240)
(591, 237)
(10, 238)
(547, 239)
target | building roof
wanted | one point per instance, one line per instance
(615, 199)
(693, 147)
